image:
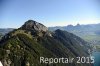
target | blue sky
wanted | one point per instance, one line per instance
(13, 13)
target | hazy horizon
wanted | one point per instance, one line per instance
(49, 12)
(47, 26)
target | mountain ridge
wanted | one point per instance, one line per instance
(27, 44)
(89, 32)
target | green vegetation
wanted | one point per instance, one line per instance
(91, 38)
(22, 49)
(90, 32)
(25, 47)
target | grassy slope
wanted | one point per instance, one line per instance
(24, 49)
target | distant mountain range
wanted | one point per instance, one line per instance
(90, 32)
(25, 45)
(89, 27)
(4, 31)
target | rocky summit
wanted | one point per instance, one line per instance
(35, 26)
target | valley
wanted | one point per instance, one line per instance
(90, 33)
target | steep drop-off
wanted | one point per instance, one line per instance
(25, 45)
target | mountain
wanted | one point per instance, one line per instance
(24, 46)
(34, 26)
(4, 31)
(88, 27)
(90, 32)
(1, 35)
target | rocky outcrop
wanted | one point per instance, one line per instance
(35, 26)
(1, 64)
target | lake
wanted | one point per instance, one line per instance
(97, 58)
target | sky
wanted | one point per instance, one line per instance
(13, 13)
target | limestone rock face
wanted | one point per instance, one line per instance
(7, 62)
(35, 26)
(1, 64)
